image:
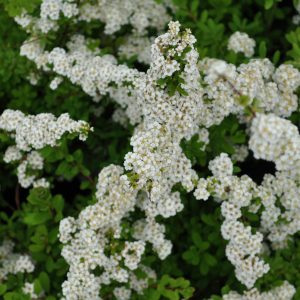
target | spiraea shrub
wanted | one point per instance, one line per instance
(150, 150)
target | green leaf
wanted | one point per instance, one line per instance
(3, 288)
(39, 196)
(208, 219)
(196, 238)
(192, 256)
(151, 294)
(37, 286)
(276, 57)
(180, 282)
(210, 259)
(269, 4)
(69, 158)
(215, 297)
(58, 203)
(181, 91)
(236, 169)
(15, 7)
(194, 7)
(63, 168)
(85, 185)
(53, 235)
(169, 294)
(161, 81)
(44, 281)
(78, 156)
(36, 247)
(204, 268)
(203, 246)
(37, 218)
(67, 169)
(164, 280)
(188, 292)
(244, 100)
(53, 154)
(225, 290)
(50, 265)
(262, 50)
(13, 296)
(85, 171)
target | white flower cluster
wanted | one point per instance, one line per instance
(51, 9)
(32, 133)
(151, 231)
(156, 162)
(284, 292)
(31, 162)
(116, 13)
(281, 207)
(13, 263)
(55, 82)
(121, 293)
(113, 13)
(37, 131)
(178, 97)
(240, 153)
(278, 140)
(97, 75)
(28, 289)
(94, 240)
(241, 42)
(271, 138)
(158, 165)
(229, 88)
(88, 239)
(132, 253)
(93, 73)
(81, 65)
(235, 193)
(221, 166)
(100, 75)
(170, 115)
(137, 45)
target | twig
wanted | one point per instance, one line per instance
(17, 196)
(236, 91)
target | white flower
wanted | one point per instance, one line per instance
(241, 42)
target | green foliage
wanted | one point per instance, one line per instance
(293, 38)
(15, 7)
(225, 136)
(212, 22)
(192, 150)
(270, 3)
(284, 265)
(170, 288)
(198, 266)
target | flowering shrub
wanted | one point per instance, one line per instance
(150, 150)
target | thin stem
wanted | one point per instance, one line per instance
(17, 196)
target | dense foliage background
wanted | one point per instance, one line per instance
(198, 266)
